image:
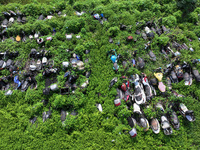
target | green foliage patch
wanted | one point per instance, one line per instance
(92, 129)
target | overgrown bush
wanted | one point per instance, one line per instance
(92, 129)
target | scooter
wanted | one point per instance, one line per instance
(141, 120)
(126, 84)
(29, 81)
(173, 118)
(155, 125)
(113, 56)
(32, 65)
(63, 115)
(99, 107)
(110, 40)
(46, 115)
(196, 74)
(39, 64)
(33, 120)
(112, 82)
(16, 80)
(147, 87)
(2, 64)
(147, 46)
(175, 54)
(3, 83)
(161, 86)
(123, 27)
(124, 64)
(115, 67)
(133, 62)
(164, 121)
(144, 36)
(168, 69)
(173, 77)
(133, 133)
(195, 61)
(176, 94)
(166, 126)
(25, 85)
(140, 97)
(152, 56)
(141, 63)
(179, 72)
(169, 83)
(9, 63)
(188, 114)
(9, 92)
(118, 97)
(187, 76)
(132, 124)
(127, 96)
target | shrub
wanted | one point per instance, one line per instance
(113, 31)
(170, 21)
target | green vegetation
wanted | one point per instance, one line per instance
(92, 129)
